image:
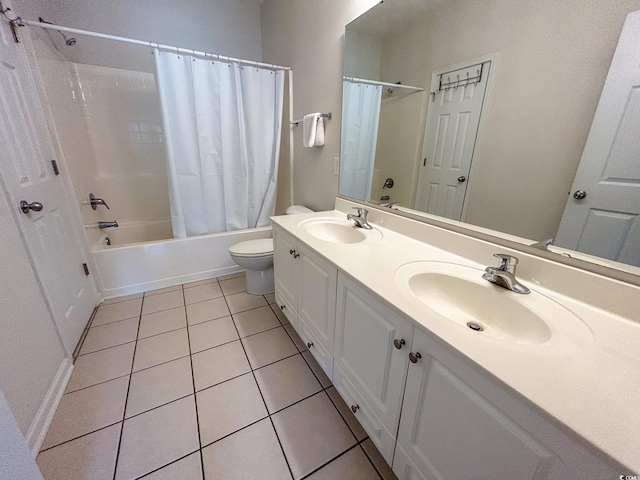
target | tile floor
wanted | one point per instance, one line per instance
(202, 381)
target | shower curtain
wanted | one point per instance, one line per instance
(360, 117)
(222, 126)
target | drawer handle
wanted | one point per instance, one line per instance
(282, 307)
(398, 343)
(414, 357)
(355, 408)
(309, 344)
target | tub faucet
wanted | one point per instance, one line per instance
(504, 275)
(113, 224)
(361, 218)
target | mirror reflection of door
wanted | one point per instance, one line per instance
(450, 138)
(603, 210)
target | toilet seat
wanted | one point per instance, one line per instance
(253, 248)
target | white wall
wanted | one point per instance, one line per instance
(17, 460)
(228, 27)
(30, 349)
(308, 36)
(553, 60)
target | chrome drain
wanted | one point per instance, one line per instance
(475, 326)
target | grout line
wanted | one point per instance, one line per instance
(236, 431)
(369, 458)
(166, 465)
(263, 400)
(106, 348)
(193, 385)
(110, 323)
(95, 384)
(112, 300)
(124, 410)
(329, 461)
(79, 436)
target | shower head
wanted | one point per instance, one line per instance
(68, 40)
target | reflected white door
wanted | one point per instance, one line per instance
(450, 137)
(601, 216)
(27, 174)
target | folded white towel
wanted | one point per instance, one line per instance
(313, 130)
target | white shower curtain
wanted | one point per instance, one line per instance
(360, 117)
(222, 126)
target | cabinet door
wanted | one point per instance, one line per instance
(317, 295)
(365, 352)
(285, 274)
(459, 423)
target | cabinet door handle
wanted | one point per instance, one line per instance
(282, 307)
(291, 251)
(355, 408)
(398, 343)
(295, 254)
(414, 357)
(309, 344)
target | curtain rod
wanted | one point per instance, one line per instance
(160, 46)
(386, 84)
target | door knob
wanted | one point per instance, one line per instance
(462, 178)
(414, 357)
(579, 194)
(282, 307)
(398, 343)
(26, 206)
(309, 344)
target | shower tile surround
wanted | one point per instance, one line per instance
(231, 395)
(108, 128)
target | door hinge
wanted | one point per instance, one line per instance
(54, 164)
(424, 162)
(86, 268)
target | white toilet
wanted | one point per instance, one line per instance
(256, 257)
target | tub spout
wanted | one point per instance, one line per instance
(113, 224)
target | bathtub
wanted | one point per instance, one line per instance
(125, 268)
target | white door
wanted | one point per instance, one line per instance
(450, 137)
(601, 216)
(27, 174)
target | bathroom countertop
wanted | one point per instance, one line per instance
(590, 386)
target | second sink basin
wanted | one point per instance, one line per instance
(335, 230)
(459, 294)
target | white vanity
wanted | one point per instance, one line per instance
(547, 389)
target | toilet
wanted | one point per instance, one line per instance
(256, 257)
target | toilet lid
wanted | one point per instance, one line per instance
(253, 248)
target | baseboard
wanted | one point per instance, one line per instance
(169, 282)
(38, 429)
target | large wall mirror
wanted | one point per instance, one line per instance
(478, 111)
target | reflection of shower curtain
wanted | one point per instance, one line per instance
(360, 116)
(222, 125)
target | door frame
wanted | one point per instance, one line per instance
(489, 57)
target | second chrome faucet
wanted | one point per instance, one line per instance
(504, 275)
(361, 218)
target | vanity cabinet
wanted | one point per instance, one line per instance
(460, 423)
(306, 292)
(431, 411)
(370, 352)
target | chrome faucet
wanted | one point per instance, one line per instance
(94, 202)
(504, 275)
(113, 224)
(543, 244)
(361, 218)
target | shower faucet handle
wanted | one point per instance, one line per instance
(97, 201)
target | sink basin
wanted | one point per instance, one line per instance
(334, 230)
(459, 294)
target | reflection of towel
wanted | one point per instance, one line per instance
(313, 130)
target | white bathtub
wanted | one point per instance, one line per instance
(124, 269)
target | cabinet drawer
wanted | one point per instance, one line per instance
(316, 348)
(378, 433)
(287, 308)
